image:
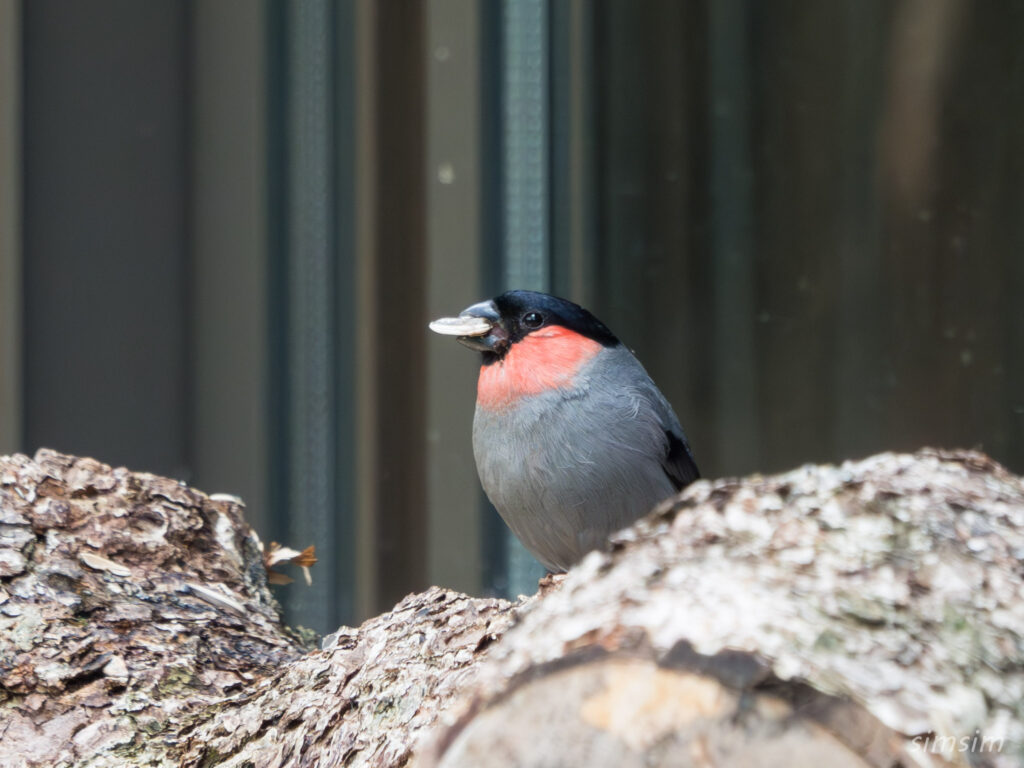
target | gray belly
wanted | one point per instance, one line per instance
(560, 481)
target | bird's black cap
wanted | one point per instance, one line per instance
(526, 311)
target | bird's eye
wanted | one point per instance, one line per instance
(533, 320)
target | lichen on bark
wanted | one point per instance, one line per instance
(829, 615)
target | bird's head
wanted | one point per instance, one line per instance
(531, 342)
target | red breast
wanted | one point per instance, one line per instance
(549, 358)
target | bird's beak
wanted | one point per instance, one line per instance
(477, 327)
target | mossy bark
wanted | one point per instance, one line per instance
(867, 614)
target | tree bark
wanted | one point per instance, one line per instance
(870, 614)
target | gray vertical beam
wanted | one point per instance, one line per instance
(312, 508)
(732, 225)
(230, 252)
(857, 367)
(365, 51)
(347, 320)
(526, 144)
(572, 146)
(105, 230)
(10, 226)
(401, 526)
(527, 182)
(453, 254)
(580, 129)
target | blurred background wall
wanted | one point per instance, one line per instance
(224, 225)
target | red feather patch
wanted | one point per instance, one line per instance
(548, 358)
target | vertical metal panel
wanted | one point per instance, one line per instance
(347, 318)
(106, 230)
(526, 144)
(807, 154)
(732, 237)
(526, 186)
(573, 134)
(627, 79)
(275, 231)
(390, 301)
(229, 289)
(401, 522)
(950, 170)
(857, 371)
(454, 212)
(933, 252)
(651, 265)
(313, 305)
(312, 498)
(365, 47)
(10, 226)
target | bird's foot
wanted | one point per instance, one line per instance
(550, 582)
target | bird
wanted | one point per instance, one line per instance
(572, 439)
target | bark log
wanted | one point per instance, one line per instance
(870, 614)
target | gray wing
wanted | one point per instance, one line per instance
(678, 461)
(677, 458)
(648, 404)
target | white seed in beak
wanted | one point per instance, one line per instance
(462, 326)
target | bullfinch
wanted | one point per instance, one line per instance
(572, 439)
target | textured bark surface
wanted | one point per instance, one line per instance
(868, 614)
(128, 604)
(882, 599)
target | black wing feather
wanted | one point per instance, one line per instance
(679, 463)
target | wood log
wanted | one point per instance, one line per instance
(870, 614)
